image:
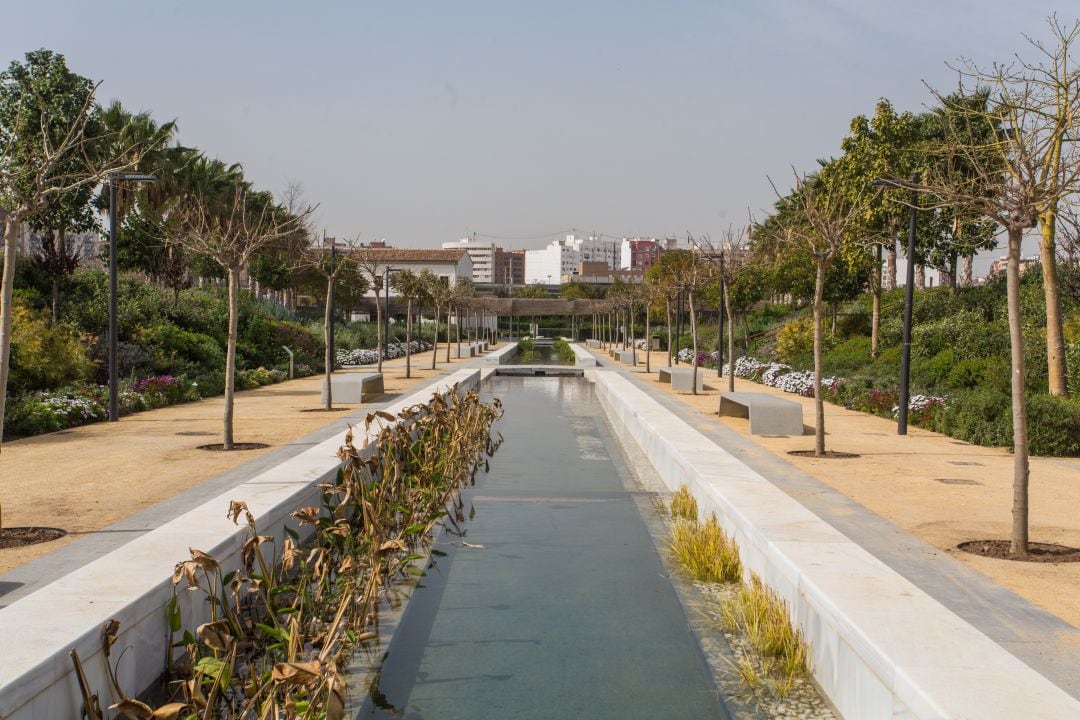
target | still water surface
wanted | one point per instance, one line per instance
(565, 611)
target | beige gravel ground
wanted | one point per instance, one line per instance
(898, 478)
(89, 477)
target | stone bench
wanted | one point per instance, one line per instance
(625, 356)
(768, 414)
(463, 351)
(354, 388)
(682, 378)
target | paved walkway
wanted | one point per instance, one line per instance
(892, 503)
(108, 483)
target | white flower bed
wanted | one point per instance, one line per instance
(801, 382)
(366, 356)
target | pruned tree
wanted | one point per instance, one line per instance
(690, 273)
(438, 290)
(50, 146)
(1015, 175)
(728, 257)
(822, 218)
(413, 289)
(372, 266)
(230, 231)
(318, 258)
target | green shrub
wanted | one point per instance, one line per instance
(979, 416)
(44, 354)
(970, 373)
(42, 412)
(848, 357)
(179, 352)
(854, 322)
(1053, 425)
(795, 340)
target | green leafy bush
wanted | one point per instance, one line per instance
(980, 416)
(44, 354)
(795, 340)
(847, 357)
(180, 352)
(1053, 425)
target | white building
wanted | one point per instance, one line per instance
(563, 257)
(452, 264)
(482, 256)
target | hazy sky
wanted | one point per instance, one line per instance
(425, 121)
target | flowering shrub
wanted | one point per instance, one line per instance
(163, 390)
(365, 356)
(251, 379)
(801, 382)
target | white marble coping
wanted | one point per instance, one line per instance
(501, 356)
(582, 358)
(133, 585)
(880, 646)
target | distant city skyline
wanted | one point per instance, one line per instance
(522, 122)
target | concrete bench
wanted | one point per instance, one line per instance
(463, 351)
(768, 414)
(594, 344)
(625, 356)
(354, 388)
(682, 378)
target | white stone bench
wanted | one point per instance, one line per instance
(682, 379)
(625, 356)
(768, 414)
(354, 388)
(463, 351)
(594, 344)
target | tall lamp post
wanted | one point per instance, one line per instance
(386, 311)
(720, 323)
(114, 368)
(909, 300)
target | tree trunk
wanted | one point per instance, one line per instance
(875, 313)
(329, 361)
(730, 339)
(449, 311)
(633, 345)
(890, 267)
(920, 276)
(11, 227)
(1055, 338)
(967, 271)
(693, 341)
(667, 308)
(230, 356)
(819, 401)
(435, 344)
(1019, 541)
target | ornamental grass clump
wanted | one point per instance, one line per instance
(705, 552)
(761, 616)
(684, 505)
(283, 625)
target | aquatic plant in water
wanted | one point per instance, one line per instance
(284, 624)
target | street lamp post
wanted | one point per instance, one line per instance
(909, 301)
(720, 323)
(386, 312)
(114, 334)
(330, 301)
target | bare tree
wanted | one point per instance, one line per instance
(823, 221)
(325, 260)
(371, 263)
(229, 232)
(728, 257)
(42, 157)
(1017, 177)
(411, 287)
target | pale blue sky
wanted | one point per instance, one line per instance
(426, 121)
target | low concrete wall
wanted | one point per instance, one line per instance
(880, 646)
(502, 356)
(133, 585)
(582, 358)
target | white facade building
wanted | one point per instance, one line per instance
(450, 264)
(563, 257)
(482, 256)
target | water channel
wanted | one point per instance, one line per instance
(557, 605)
